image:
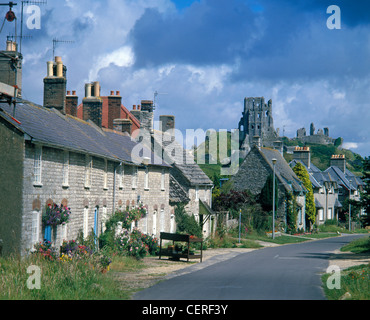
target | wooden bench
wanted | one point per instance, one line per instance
(180, 238)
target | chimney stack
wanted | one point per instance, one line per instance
(303, 154)
(114, 108)
(92, 103)
(278, 145)
(55, 84)
(168, 124)
(71, 103)
(122, 125)
(11, 67)
(338, 160)
(257, 142)
(145, 115)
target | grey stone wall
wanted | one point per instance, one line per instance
(11, 173)
(78, 197)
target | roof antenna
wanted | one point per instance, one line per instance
(156, 93)
(55, 41)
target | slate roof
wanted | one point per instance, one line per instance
(50, 127)
(177, 193)
(317, 177)
(344, 179)
(181, 159)
(283, 171)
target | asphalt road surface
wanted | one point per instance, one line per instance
(288, 272)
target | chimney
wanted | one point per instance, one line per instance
(257, 142)
(338, 160)
(55, 85)
(92, 103)
(114, 108)
(122, 125)
(146, 115)
(11, 67)
(71, 103)
(168, 124)
(303, 154)
(278, 145)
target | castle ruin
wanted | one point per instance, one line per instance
(256, 121)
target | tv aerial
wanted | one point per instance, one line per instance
(156, 93)
(55, 41)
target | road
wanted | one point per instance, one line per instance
(287, 272)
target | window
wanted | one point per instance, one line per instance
(321, 214)
(330, 213)
(146, 181)
(121, 176)
(196, 193)
(172, 223)
(161, 219)
(105, 175)
(65, 169)
(35, 226)
(37, 165)
(163, 177)
(64, 233)
(86, 222)
(154, 222)
(134, 177)
(88, 171)
(300, 218)
(104, 218)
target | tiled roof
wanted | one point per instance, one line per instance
(50, 127)
(284, 173)
(177, 193)
(341, 178)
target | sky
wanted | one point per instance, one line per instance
(203, 57)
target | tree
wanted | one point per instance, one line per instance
(266, 194)
(365, 193)
(303, 175)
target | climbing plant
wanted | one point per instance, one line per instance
(310, 209)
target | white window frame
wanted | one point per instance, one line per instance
(86, 222)
(121, 176)
(330, 213)
(88, 171)
(154, 224)
(163, 180)
(64, 233)
(65, 169)
(196, 193)
(320, 213)
(161, 220)
(146, 179)
(105, 175)
(134, 177)
(37, 166)
(35, 226)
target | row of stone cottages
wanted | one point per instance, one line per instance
(330, 187)
(50, 156)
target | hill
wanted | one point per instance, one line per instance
(320, 156)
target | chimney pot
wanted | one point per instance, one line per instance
(118, 93)
(68, 93)
(112, 93)
(73, 92)
(134, 107)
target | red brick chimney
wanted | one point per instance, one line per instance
(114, 108)
(71, 103)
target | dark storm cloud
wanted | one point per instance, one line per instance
(210, 32)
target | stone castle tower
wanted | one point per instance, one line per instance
(256, 121)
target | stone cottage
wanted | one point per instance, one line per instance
(254, 171)
(325, 187)
(49, 156)
(188, 183)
